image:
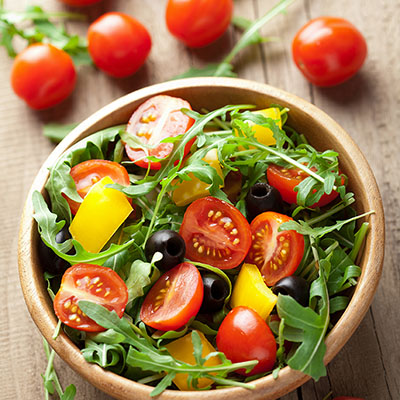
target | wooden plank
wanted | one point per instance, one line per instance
(367, 106)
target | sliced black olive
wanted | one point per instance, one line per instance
(294, 286)
(50, 261)
(261, 198)
(170, 244)
(215, 292)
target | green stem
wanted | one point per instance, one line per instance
(359, 239)
(57, 330)
(331, 212)
(246, 37)
(150, 378)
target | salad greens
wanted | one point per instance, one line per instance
(128, 347)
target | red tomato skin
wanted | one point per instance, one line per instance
(80, 3)
(283, 250)
(43, 75)
(243, 336)
(197, 23)
(202, 230)
(329, 50)
(286, 184)
(169, 306)
(87, 173)
(89, 282)
(118, 44)
(176, 124)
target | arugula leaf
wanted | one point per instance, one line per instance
(48, 229)
(42, 30)
(57, 132)
(60, 181)
(249, 37)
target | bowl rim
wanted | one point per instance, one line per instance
(112, 383)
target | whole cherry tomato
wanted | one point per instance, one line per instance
(87, 173)
(101, 285)
(174, 299)
(244, 336)
(80, 3)
(43, 75)
(215, 233)
(198, 23)
(156, 119)
(276, 254)
(329, 50)
(118, 44)
(286, 179)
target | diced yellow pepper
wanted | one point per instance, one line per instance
(101, 213)
(182, 350)
(188, 191)
(250, 290)
(261, 133)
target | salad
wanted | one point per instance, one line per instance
(192, 250)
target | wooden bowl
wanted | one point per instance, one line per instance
(211, 93)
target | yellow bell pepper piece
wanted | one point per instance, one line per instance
(261, 133)
(100, 214)
(250, 290)
(188, 191)
(182, 350)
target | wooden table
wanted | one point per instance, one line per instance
(368, 107)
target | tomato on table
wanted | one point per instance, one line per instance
(215, 233)
(244, 336)
(118, 44)
(174, 298)
(276, 254)
(329, 50)
(158, 118)
(89, 282)
(43, 75)
(286, 179)
(198, 23)
(87, 173)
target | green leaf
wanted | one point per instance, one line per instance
(69, 394)
(57, 132)
(224, 69)
(60, 181)
(48, 229)
(338, 303)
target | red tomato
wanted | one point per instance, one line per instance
(215, 233)
(87, 173)
(198, 23)
(276, 254)
(89, 282)
(329, 50)
(174, 299)
(285, 180)
(43, 75)
(118, 44)
(245, 336)
(79, 3)
(156, 119)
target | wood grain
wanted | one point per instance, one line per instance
(368, 107)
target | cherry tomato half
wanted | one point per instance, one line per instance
(329, 50)
(118, 44)
(101, 285)
(198, 23)
(156, 119)
(215, 233)
(285, 180)
(80, 3)
(174, 299)
(276, 254)
(87, 173)
(243, 336)
(43, 75)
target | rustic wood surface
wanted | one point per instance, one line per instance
(368, 107)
